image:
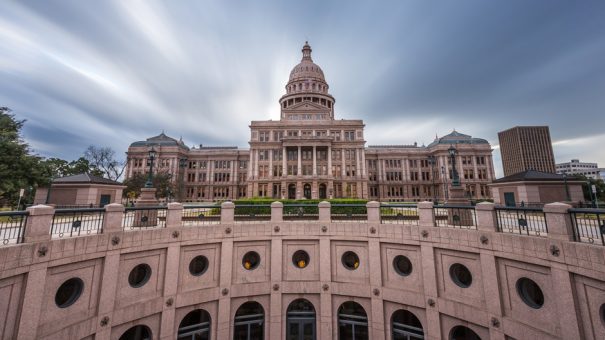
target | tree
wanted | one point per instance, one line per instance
(587, 188)
(103, 159)
(19, 168)
(161, 181)
(60, 168)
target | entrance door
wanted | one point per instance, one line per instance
(509, 199)
(300, 321)
(292, 191)
(322, 191)
(105, 199)
(307, 191)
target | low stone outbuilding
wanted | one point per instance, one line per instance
(535, 188)
(83, 190)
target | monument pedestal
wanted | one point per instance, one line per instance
(459, 216)
(144, 217)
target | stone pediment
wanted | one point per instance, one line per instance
(306, 106)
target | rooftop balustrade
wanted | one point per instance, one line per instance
(556, 220)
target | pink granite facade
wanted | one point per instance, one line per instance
(570, 276)
(308, 153)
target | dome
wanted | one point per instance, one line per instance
(306, 69)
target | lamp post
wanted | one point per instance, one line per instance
(455, 179)
(152, 154)
(431, 160)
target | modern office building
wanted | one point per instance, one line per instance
(308, 153)
(526, 148)
(575, 167)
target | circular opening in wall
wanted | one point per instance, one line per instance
(530, 293)
(139, 275)
(461, 276)
(300, 259)
(198, 265)
(69, 292)
(402, 265)
(251, 260)
(350, 260)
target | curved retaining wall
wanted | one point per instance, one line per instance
(571, 276)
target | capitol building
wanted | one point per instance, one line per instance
(308, 153)
(306, 271)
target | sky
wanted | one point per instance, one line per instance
(112, 72)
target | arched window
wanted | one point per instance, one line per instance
(300, 321)
(463, 333)
(249, 322)
(352, 322)
(195, 326)
(406, 326)
(138, 332)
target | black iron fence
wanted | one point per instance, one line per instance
(250, 213)
(12, 226)
(77, 222)
(300, 212)
(455, 216)
(144, 217)
(194, 215)
(399, 214)
(521, 220)
(588, 225)
(348, 213)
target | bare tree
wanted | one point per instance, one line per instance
(103, 158)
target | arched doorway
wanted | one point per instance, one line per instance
(406, 326)
(138, 332)
(323, 191)
(307, 191)
(352, 322)
(292, 191)
(195, 326)
(249, 322)
(463, 333)
(300, 321)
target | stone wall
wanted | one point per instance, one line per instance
(571, 276)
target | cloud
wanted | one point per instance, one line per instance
(113, 72)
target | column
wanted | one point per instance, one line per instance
(314, 161)
(357, 164)
(250, 163)
(329, 160)
(364, 173)
(284, 163)
(299, 170)
(255, 164)
(343, 162)
(270, 163)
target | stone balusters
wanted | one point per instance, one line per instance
(324, 211)
(112, 221)
(373, 209)
(227, 212)
(277, 212)
(486, 216)
(174, 215)
(39, 222)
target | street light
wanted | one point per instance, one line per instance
(432, 161)
(152, 154)
(455, 179)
